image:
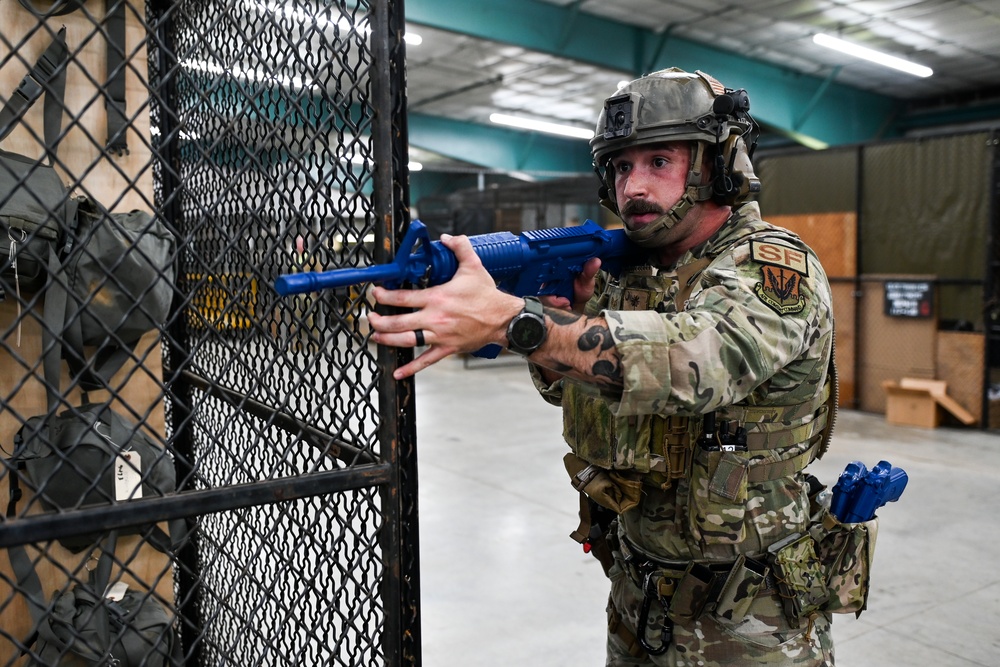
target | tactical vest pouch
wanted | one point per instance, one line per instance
(845, 552)
(739, 590)
(717, 497)
(691, 594)
(799, 575)
(597, 436)
(609, 489)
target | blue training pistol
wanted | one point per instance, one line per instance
(859, 492)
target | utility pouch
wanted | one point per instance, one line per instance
(615, 491)
(718, 497)
(691, 593)
(845, 552)
(800, 578)
(740, 588)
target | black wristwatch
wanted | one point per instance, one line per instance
(526, 332)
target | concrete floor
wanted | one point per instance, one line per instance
(503, 584)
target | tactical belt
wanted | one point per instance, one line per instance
(684, 589)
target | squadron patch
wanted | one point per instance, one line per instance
(635, 299)
(782, 268)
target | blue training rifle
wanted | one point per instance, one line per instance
(537, 262)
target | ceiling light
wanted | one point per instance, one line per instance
(344, 23)
(872, 55)
(541, 126)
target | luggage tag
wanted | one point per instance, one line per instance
(116, 591)
(17, 277)
(128, 471)
(128, 475)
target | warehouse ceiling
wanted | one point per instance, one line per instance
(557, 60)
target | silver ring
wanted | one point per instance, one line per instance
(419, 333)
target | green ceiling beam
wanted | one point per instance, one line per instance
(838, 114)
(499, 148)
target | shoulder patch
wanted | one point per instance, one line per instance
(782, 270)
(777, 254)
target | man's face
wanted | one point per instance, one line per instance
(649, 180)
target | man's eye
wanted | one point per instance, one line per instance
(622, 167)
(660, 162)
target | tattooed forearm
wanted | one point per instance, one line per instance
(580, 347)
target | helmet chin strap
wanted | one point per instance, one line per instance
(655, 234)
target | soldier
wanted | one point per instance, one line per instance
(695, 387)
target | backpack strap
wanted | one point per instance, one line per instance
(47, 76)
(59, 7)
(114, 103)
(114, 87)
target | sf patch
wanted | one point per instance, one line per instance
(783, 269)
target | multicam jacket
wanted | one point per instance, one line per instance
(742, 327)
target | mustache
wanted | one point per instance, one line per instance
(640, 207)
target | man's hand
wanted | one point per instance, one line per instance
(583, 289)
(461, 315)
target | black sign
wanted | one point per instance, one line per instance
(909, 298)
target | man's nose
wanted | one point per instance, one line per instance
(636, 184)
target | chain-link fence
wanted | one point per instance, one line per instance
(201, 471)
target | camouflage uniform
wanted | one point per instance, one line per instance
(741, 326)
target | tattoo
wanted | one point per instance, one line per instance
(599, 363)
(595, 337)
(562, 317)
(609, 370)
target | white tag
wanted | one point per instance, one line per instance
(128, 476)
(116, 592)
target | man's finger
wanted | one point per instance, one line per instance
(394, 323)
(591, 267)
(462, 247)
(552, 301)
(400, 298)
(430, 357)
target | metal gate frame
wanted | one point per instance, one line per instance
(394, 474)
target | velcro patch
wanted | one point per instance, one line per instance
(782, 269)
(776, 254)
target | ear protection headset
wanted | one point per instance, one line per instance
(729, 183)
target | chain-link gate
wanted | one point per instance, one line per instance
(201, 472)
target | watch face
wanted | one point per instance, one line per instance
(527, 333)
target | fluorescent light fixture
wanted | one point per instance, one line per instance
(309, 17)
(414, 166)
(874, 56)
(541, 126)
(248, 73)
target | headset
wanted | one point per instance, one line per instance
(732, 106)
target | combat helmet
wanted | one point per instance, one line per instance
(674, 105)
